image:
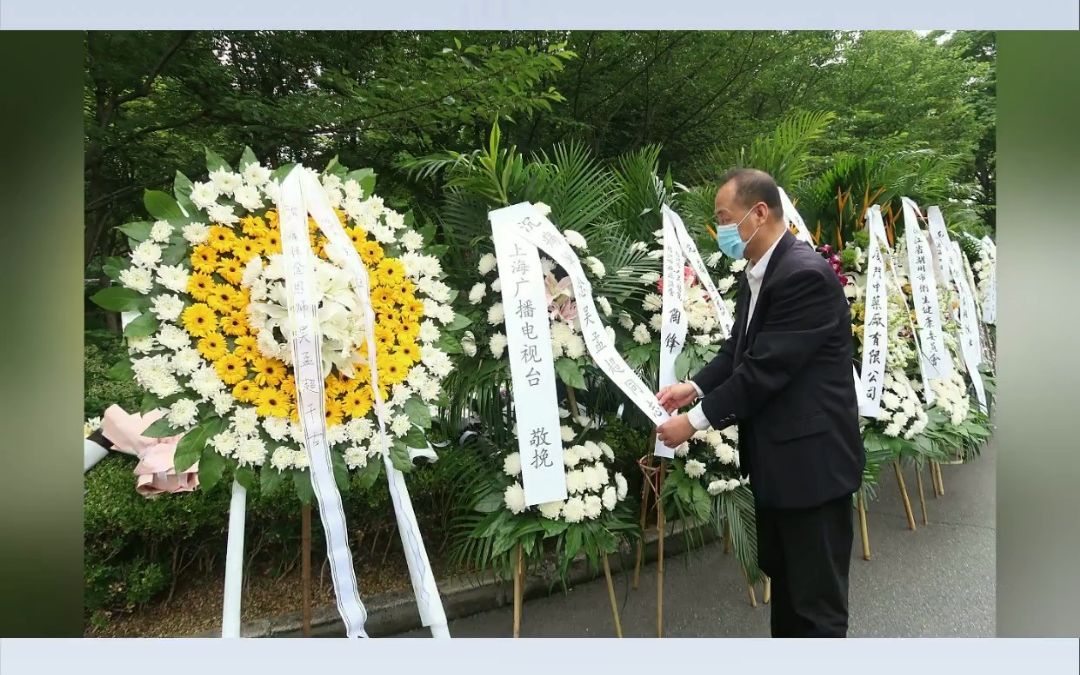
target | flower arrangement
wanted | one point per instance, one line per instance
(210, 344)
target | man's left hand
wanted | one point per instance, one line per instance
(675, 431)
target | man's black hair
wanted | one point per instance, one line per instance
(753, 186)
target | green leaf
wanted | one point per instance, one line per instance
(113, 267)
(449, 343)
(302, 482)
(121, 370)
(553, 528)
(174, 253)
(399, 457)
(366, 179)
(117, 299)
(370, 473)
(460, 321)
(149, 403)
(145, 324)
(490, 503)
(282, 171)
(573, 541)
(270, 479)
(570, 373)
(190, 448)
(212, 466)
(161, 429)
(160, 205)
(341, 470)
(182, 191)
(247, 158)
(245, 475)
(418, 412)
(335, 168)
(138, 230)
(215, 162)
(683, 363)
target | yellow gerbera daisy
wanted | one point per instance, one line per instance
(392, 271)
(200, 286)
(247, 348)
(245, 391)
(357, 403)
(358, 236)
(371, 252)
(245, 249)
(271, 242)
(222, 298)
(235, 324)
(272, 403)
(231, 270)
(204, 259)
(393, 370)
(409, 350)
(213, 346)
(222, 238)
(288, 386)
(231, 368)
(254, 226)
(268, 371)
(334, 413)
(199, 320)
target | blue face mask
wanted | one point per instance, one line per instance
(731, 244)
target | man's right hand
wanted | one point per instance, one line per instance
(675, 396)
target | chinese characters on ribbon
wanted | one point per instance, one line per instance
(934, 357)
(875, 320)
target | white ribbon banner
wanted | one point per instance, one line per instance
(933, 356)
(532, 366)
(875, 319)
(970, 342)
(523, 225)
(673, 324)
(989, 301)
(301, 194)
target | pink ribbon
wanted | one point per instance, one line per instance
(155, 472)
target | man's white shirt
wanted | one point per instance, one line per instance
(755, 274)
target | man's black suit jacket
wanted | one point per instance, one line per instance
(786, 380)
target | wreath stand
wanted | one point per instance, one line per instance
(519, 564)
(652, 483)
(863, 529)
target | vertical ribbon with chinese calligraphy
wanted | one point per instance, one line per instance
(524, 226)
(875, 319)
(989, 300)
(302, 194)
(934, 358)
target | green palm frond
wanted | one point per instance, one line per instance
(737, 509)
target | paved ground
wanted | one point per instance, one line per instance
(935, 582)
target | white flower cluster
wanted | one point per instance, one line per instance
(983, 270)
(901, 413)
(950, 394)
(594, 489)
(91, 425)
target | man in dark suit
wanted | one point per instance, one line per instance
(784, 377)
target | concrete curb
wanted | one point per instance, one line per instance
(395, 612)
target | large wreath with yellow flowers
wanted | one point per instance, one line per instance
(209, 341)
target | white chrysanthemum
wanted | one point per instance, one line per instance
(356, 457)
(575, 347)
(610, 498)
(282, 458)
(160, 231)
(566, 433)
(142, 345)
(186, 360)
(486, 264)
(725, 453)
(892, 430)
(641, 334)
(652, 302)
(196, 233)
(575, 481)
(738, 265)
(300, 458)
(551, 510)
(620, 486)
(223, 213)
(203, 195)
(167, 307)
(571, 456)
(694, 468)
(138, 279)
(605, 305)
(682, 450)
(594, 506)
(512, 464)
(650, 277)
(412, 240)
(246, 421)
(495, 315)
(173, 277)
(172, 337)
(183, 414)
(225, 181)
(248, 196)
(725, 284)
(514, 497)
(468, 344)
(574, 510)
(714, 259)
(596, 267)
(256, 174)
(223, 402)
(400, 425)
(626, 321)
(360, 430)
(206, 382)
(890, 400)
(251, 451)
(575, 239)
(429, 332)
(477, 292)
(497, 344)
(594, 479)
(226, 443)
